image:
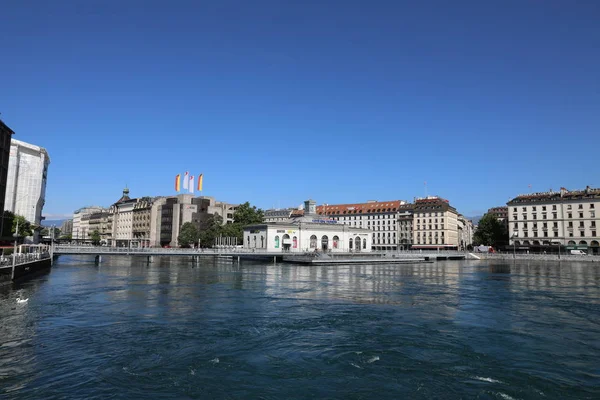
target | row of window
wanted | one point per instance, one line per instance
(431, 241)
(430, 227)
(555, 215)
(555, 225)
(555, 234)
(569, 207)
(425, 221)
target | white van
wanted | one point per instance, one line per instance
(578, 253)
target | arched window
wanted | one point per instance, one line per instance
(336, 240)
(571, 243)
(350, 243)
(324, 242)
(295, 242)
(313, 242)
(583, 243)
(357, 243)
(277, 241)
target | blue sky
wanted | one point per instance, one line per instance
(278, 101)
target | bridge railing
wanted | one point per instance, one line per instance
(7, 261)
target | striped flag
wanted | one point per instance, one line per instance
(178, 182)
(200, 178)
(191, 184)
(185, 180)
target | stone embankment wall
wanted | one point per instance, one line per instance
(537, 257)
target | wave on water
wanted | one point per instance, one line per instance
(490, 380)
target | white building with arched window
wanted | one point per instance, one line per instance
(307, 233)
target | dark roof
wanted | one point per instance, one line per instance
(564, 194)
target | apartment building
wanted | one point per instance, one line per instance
(101, 222)
(465, 232)
(142, 213)
(435, 224)
(383, 218)
(80, 226)
(542, 221)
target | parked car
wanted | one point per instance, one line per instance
(578, 253)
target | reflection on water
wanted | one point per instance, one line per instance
(175, 328)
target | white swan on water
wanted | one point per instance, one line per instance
(20, 300)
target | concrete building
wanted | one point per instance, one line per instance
(26, 182)
(543, 221)
(168, 214)
(435, 224)
(80, 226)
(383, 218)
(5, 139)
(66, 227)
(308, 233)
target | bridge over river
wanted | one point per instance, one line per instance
(258, 254)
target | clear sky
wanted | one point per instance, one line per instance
(279, 101)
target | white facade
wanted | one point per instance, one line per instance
(80, 228)
(310, 232)
(26, 180)
(123, 223)
(568, 218)
(387, 221)
(306, 237)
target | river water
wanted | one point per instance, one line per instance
(174, 329)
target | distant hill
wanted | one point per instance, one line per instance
(56, 222)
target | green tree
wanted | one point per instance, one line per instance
(210, 228)
(96, 237)
(188, 235)
(7, 224)
(25, 228)
(246, 214)
(490, 232)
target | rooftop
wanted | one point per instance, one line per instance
(362, 208)
(563, 194)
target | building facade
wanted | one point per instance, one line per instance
(465, 232)
(168, 214)
(385, 219)
(544, 221)
(142, 212)
(5, 139)
(435, 224)
(80, 227)
(66, 228)
(26, 181)
(308, 233)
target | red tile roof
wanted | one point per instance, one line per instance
(361, 208)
